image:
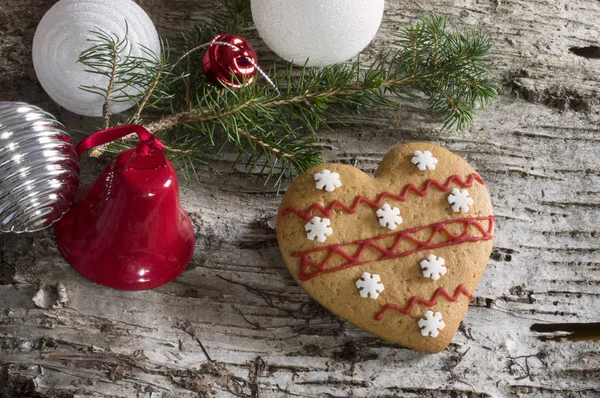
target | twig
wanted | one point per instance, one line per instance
(180, 151)
(255, 371)
(195, 116)
(254, 324)
(111, 86)
(419, 5)
(192, 116)
(149, 92)
(97, 151)
(455, 104)
(266, 146)
(281, 131)
(186, 326)
(188, 95)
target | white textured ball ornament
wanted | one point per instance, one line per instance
(62, 36)
(323, 31)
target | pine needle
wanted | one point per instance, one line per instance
(276, 131)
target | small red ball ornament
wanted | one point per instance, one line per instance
(222, 62)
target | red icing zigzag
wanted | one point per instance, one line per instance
(309, 269)
(308, 214)
(414, 300)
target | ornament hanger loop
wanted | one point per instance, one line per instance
(148, 142)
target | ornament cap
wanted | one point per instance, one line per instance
(129, 230)
(231, 60)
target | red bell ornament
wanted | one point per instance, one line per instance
(128, 229)
(233, 63)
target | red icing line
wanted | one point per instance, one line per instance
(308, 214)
(309, 269)
(414, 300)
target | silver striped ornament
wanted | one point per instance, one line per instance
(39, 168)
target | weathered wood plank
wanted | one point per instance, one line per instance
(536, 148)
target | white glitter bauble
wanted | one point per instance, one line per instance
(323, 31)
(63, 35)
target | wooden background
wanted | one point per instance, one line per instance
(236, 324)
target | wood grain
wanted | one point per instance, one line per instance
(236, 324)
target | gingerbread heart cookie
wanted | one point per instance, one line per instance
(398, 255)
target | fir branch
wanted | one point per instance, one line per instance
(447, 67)
(142, 79)
(109, 56)
(276, 131)
(104, 58)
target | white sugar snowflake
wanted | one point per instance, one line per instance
(369, 285)
(389, 216)
(460, 200)
(431, 324)
(328, 180)
(433, 267)
(424, 160)
(319, 228)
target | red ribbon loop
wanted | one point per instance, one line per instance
(147, 143)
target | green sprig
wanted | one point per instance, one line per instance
(276, 131)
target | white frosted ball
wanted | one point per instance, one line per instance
(323, 31)
(62, 36)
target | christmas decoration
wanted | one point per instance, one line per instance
(327, 181)
(318, 229)
(238, 61)
(39, 170)
(431, 324)
(433, 267)
(317, 32)
(273, 122)
(369, 285)
(130, 39)
(460, 200)
(129, 230)
(389, 216)
(424, 160)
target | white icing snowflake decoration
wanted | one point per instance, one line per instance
(328, 180)
(460, 200)
(433, 267)
(389, 216)
(431, 324)
(369, 285)
(424, 160)
(319, 228)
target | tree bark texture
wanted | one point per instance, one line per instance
(236, 324)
